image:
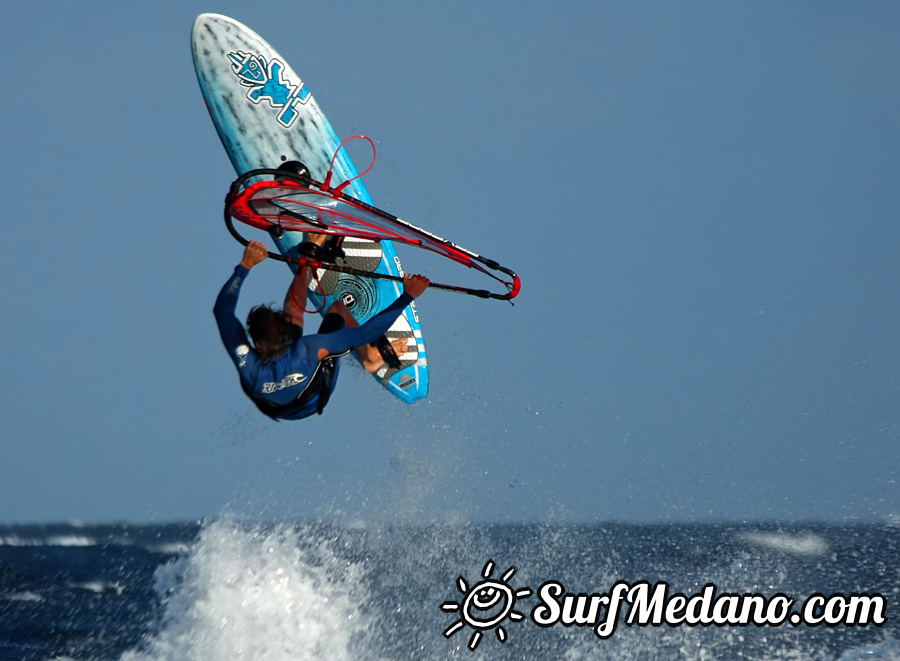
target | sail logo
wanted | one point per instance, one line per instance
(265, 80)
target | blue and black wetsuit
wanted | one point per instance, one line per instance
(278, 388)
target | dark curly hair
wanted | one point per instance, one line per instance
(271, 331)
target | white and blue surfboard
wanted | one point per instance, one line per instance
(265, 115)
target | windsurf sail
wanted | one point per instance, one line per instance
(277, 201)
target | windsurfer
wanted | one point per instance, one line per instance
(290, 376)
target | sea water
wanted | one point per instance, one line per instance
(229, 589)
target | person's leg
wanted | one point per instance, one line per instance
(369, 356)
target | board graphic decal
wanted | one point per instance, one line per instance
(266, 82)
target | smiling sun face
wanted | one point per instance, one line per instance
(486, 605)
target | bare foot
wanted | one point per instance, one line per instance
(371, 358)
(316, 237)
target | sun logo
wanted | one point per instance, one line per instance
(486, 605)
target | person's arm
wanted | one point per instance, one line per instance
(231, 330)
(295, 299)
(349, 338)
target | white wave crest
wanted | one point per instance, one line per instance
(256, 594)
(805, 544)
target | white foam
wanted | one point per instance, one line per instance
(806, 544)
(99, 587)
(55, 540)
(256, 594)
(15, 540)
(887, 650)
(70, 540)
(30, 597)
(170, 548)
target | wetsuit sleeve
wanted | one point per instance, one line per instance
(231, 329)
(349, 338)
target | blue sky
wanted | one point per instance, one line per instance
(701, 200)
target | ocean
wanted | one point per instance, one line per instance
(230, 589)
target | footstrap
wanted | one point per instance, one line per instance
(387, 352)
(329, 252)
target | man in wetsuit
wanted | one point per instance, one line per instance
(287, 375)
